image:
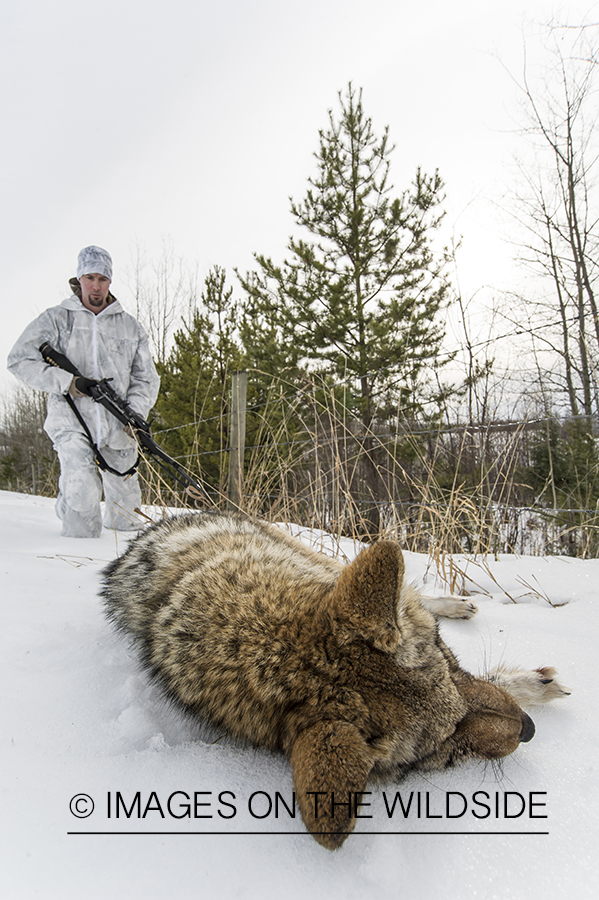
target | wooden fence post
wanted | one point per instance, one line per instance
(237, 439)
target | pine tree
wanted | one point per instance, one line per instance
(192, 406)
(359, 300)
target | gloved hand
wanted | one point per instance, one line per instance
(133, 430)
(79, 386)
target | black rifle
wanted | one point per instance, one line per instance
(102, 392)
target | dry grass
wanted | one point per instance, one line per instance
(313, 464)
(451, 493)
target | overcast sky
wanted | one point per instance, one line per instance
(126, 123)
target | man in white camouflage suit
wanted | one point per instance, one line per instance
(102, 341)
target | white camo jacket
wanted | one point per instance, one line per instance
(111, 344)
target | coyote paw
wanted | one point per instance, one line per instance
(450, 607)
(530, 688)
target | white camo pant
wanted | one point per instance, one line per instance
(80, 490)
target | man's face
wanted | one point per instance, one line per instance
(94, 291)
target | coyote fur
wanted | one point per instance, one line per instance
(341, 667)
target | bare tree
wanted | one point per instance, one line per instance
(558, 206)
(28, 463)
(164, 290)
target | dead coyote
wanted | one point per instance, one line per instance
(340, 667)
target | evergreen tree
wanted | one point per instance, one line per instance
(564, 469)
(359, 300)
(192, 406)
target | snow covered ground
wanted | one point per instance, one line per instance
(81, 724)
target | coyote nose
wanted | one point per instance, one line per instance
(528, 729)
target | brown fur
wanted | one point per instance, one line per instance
(339, 667)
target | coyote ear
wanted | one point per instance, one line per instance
(367, 591)
(331, 763)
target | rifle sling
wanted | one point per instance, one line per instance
(99, 458)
